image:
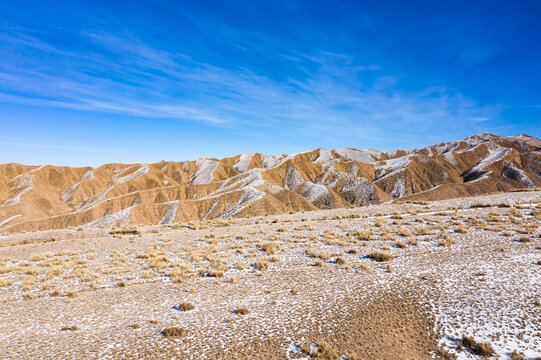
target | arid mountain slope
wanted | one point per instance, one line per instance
(48, 197)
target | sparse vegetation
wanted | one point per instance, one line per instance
(124, 231)
(379, 256)
(269, 247)
(242, 311)
(174, 332)
(305, 262)
(401, 245)
(323, 351)
(186, 306)
(70, 328)
(262, 265)
(517, 356)
(483, 349)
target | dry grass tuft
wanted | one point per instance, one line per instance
(324, 351)
(517, 356)
(124, 231)
(363, 234)
(401, 245)
(262, 265)
(445, 355)
(174, 332)
(70, 328)
(5, 282)
(269, 247)
(186, 306)
(403, 232)
(379, 256)
(242, 311)
(480, 348)
(179, 273)
(460, 229)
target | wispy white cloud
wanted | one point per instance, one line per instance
(336, 96)
(27, 145)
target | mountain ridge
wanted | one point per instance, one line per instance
(251, 184)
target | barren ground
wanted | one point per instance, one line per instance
(288, 286)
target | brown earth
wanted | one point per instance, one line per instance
(459, 267)
(53, 197)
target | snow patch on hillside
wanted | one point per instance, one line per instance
(269, 162)
(324, 157)
(295, 182)
(143, 170)
(244, 161)
(249, 196)
(89, 203)
(9, 219)
(68, 194)
(204, 172)
(490, 159)
(169, 216)
(364, 156)
(392, 166)
(119, 217)
(476, 173)
(511, 172)
(25, 184)
(450, 157)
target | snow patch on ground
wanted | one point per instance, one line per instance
(491, 158)
(358, 191)
(269, 162)
(249, 178)
(25, 174)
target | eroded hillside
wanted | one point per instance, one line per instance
(49, 197)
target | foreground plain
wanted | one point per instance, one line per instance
(454, 278)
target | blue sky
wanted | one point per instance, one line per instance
(87, 83)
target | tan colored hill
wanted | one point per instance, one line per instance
(251, 184)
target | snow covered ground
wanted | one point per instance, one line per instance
(459, 267)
